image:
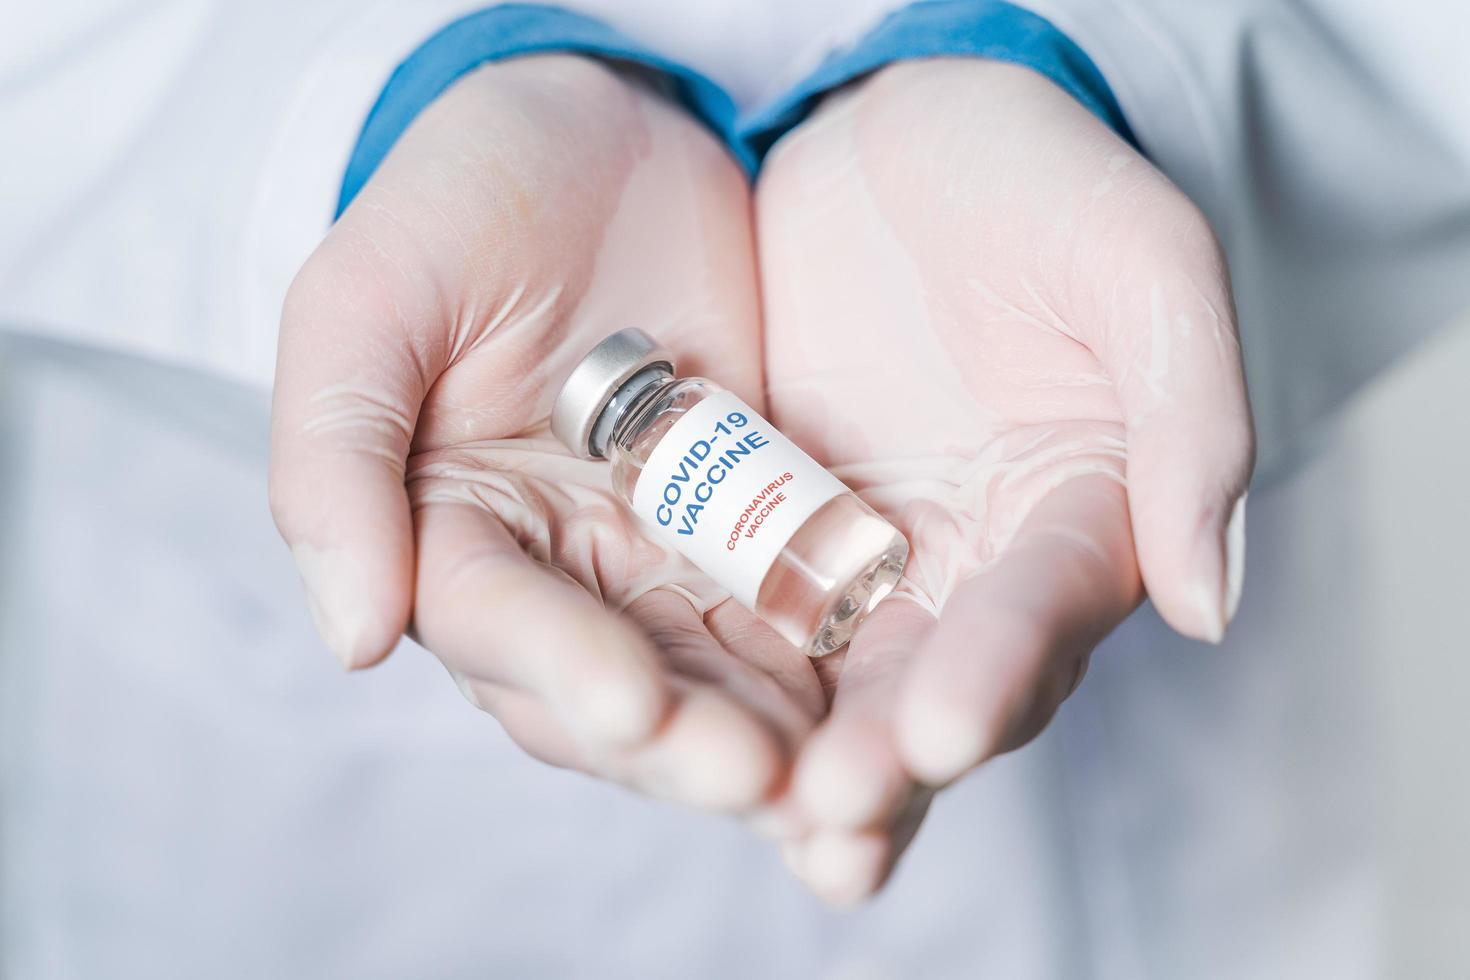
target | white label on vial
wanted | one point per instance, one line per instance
(728, 491)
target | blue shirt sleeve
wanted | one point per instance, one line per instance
(930, 28)
(945, 28)
(506, 31)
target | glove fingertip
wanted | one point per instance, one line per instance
(360, 618)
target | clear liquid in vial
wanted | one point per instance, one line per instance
(833, 571)
(830, 574)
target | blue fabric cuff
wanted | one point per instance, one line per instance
(503, 32)
(931, 28)
(945, 28)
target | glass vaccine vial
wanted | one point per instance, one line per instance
(717, 482)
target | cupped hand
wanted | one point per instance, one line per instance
(532, 209)
(1015, 338)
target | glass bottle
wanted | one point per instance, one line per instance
(712, 478)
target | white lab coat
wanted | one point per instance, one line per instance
(189, 788)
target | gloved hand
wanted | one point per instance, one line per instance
(532, 209)
(1015, 338)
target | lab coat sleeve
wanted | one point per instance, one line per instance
(169, 167)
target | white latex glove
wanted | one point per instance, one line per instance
(1016, 339)
(537, 206)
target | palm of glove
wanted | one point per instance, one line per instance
(984, 336)
(1014, 338)
(531, 209)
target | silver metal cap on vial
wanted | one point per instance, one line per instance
(594, 381)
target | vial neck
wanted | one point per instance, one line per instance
(626, 405)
